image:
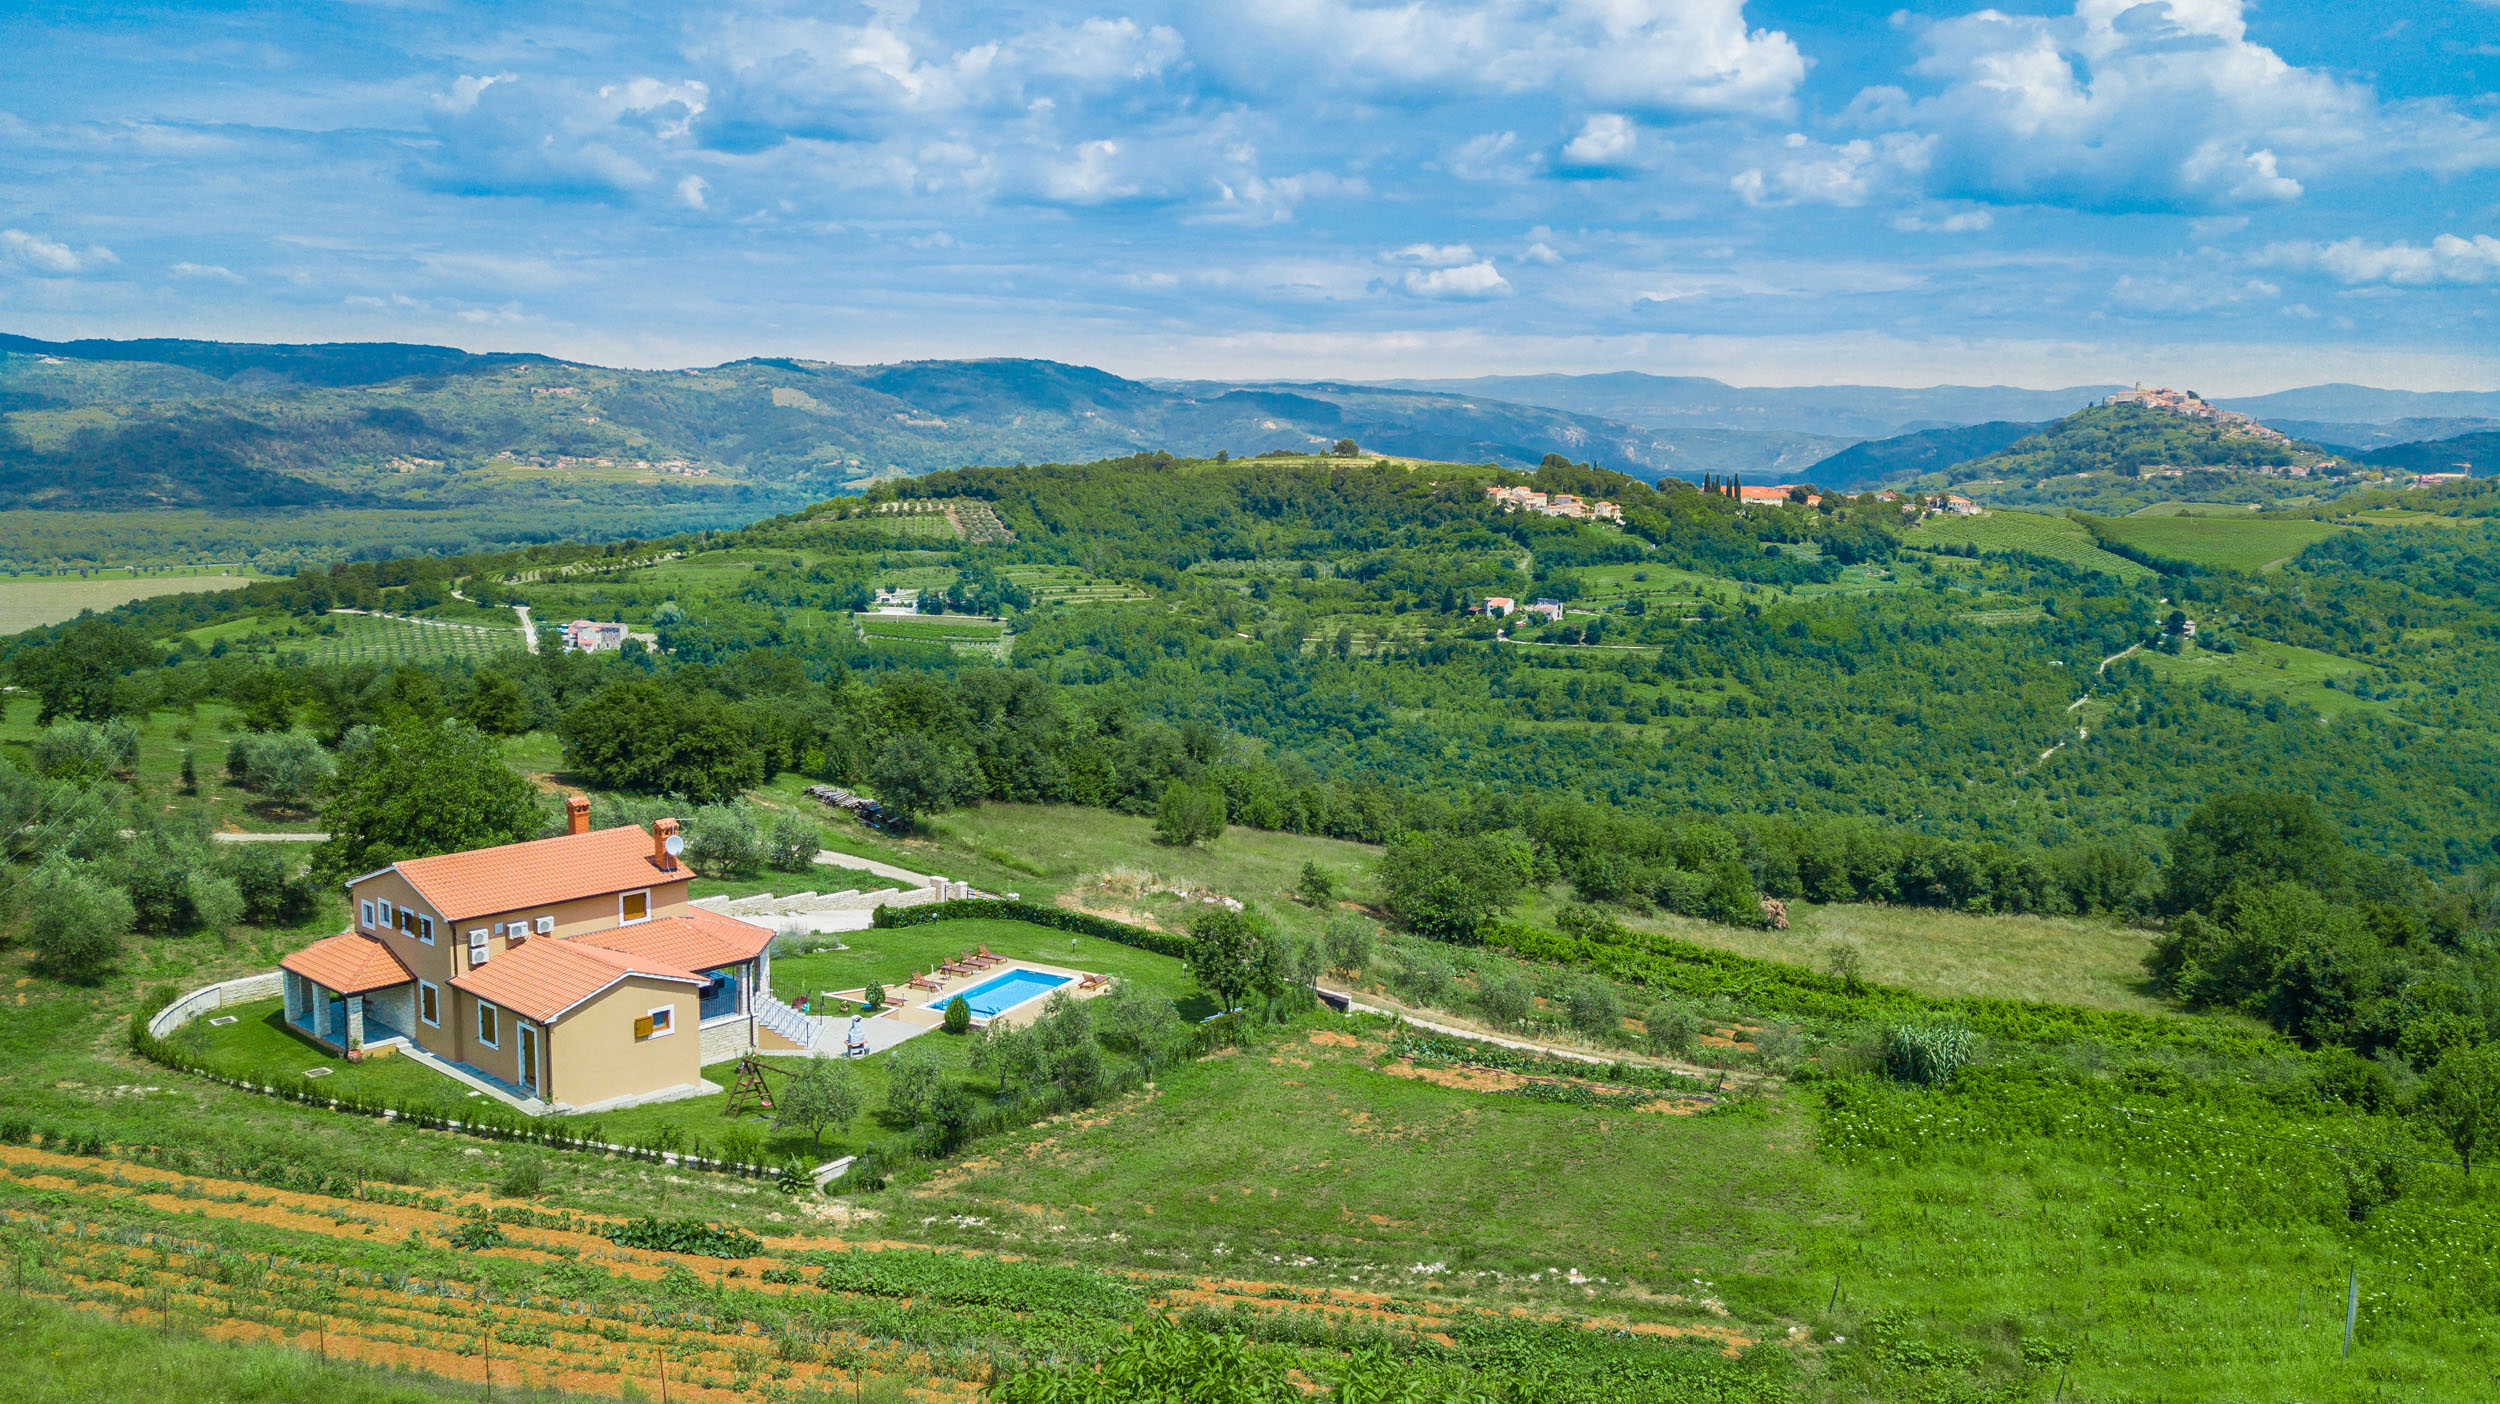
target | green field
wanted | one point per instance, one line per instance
(2033, 533)
(2249, 543)
(27, 602)
(363, 638)
(2195, 509)
(2288, 671)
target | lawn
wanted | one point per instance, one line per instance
(2231, 543)
(1303, 1152)
(29, 602)
(2033, 533)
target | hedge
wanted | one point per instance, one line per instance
(1162, 943)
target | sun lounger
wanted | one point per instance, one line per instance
(985, 959)
(896, 999)
(1093, 982)
(926, 982)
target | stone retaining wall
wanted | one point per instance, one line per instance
(266, 985)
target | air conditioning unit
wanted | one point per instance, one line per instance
(478, 949)
(546, 925)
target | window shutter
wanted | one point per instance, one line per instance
(642, 1027)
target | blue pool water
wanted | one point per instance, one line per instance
(1000, 993)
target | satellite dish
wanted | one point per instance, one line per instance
(675, 844)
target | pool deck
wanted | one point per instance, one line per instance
(896, 1025)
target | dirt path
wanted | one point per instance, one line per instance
(529, 631)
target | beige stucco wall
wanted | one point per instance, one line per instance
(595, 1057)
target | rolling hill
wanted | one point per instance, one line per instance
(1922, 451)
(1665, 402)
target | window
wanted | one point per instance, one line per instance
(486, 1025)
(477, 946)
(634, 906)
(408, 920)
(429, 1005)
(386, 913)
(364, 914)
(425, 928)
(656, 1024)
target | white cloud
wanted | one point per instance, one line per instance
(2449, 259)
(1649, 56)
(692, 190)
(2190, 291)
(50, 258)
(1802, 171)
(1959, 222)
(1541, 252)
(1466, 281)
(1605, 142)
(217, 272)
(2161, 105)
(1433, 255)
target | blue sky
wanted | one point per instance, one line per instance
(2230, 195)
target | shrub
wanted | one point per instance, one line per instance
(1504, 998)
(525, 1178)
(286, 766)
(75, 923)
(1927, 1055)
(1317, 886)
(1190, 814)
(84, 752)
(1672, 1027)
(958, 1017)
(476, 1234)
(874, 996)
(1348, 943)
(740, 1145)
(793, 844)
(723, 841)
(1593, 1008)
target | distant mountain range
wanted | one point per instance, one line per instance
(121, 425)
(1847, 412)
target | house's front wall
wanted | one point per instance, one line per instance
(429, 962)
(499, 1060)
(595, 1056)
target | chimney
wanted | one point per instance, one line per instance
(577, 815)
(661, 833)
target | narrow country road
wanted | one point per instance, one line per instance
(832, 859)
(529, 631)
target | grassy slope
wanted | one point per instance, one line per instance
(2288, 671)
(2247, 543)
(2035, 533)
(27, 603)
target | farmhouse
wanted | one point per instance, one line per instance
(590, 636)
(567, 973)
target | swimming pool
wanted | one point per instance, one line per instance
(1000, 993)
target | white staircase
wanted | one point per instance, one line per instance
(785, 1021)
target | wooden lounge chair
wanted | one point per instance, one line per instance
(986, 959)
(926, 982)
(896, 999)
(958, 967)
(1093, 982)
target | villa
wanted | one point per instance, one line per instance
(564, 974)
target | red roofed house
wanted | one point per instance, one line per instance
(570, 972)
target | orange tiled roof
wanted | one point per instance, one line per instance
(696, 940)
(349, 964)
(484, 881)
(541, 979)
